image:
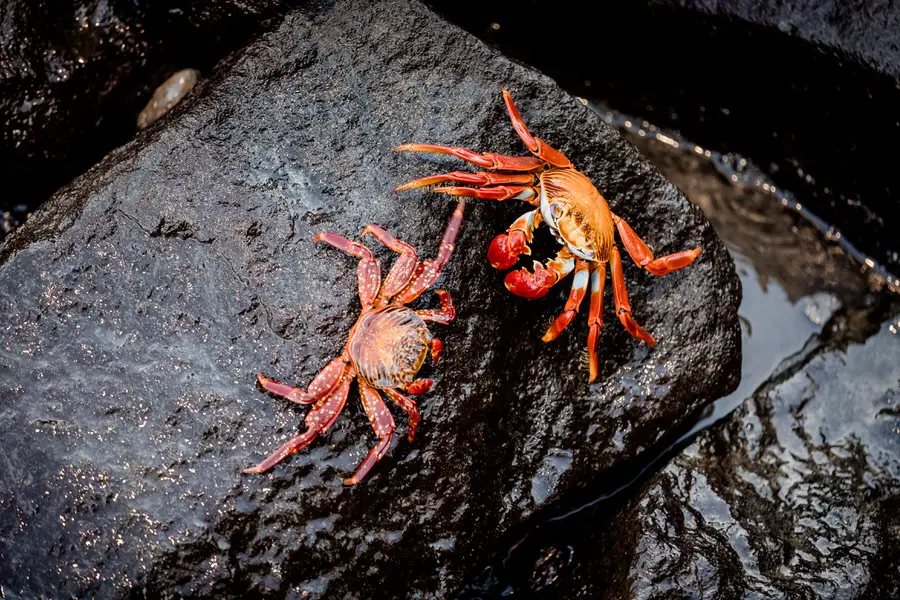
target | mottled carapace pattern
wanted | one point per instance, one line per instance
(389, 346)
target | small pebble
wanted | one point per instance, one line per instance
(167, 96)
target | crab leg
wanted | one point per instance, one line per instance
(499, 193)
(428, 271)
(538, 147)
(506, 248)
(536, 285)
(318, 421)
(442, 315)
(402, 271)
(383, 424)
(579, 289)
(620, 295)
(409, 407)
(479, 179)
(487, 160)
(595, 318)
(640, 253)
(437, 346)
(418, 387)
(322, 384)
(369, 270)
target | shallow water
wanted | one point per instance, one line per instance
(796, 277)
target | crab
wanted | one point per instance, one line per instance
(577, 216)
(385, 349)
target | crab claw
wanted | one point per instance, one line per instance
(505, 249)
(531, 285)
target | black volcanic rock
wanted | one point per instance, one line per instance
(140, 302)
(74, 75)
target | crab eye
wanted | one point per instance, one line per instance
(556, 210)
(588, 254)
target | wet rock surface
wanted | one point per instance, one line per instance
(142, 300)
(75, 75)
(795, 497)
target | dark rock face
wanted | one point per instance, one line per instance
(867, 31)
(795, 497)
(74, 75)
(141, 301)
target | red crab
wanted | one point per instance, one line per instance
(577, 215)
(385, 349)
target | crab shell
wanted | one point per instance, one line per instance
(577, 214)
(388, 346)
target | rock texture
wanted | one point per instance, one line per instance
(141, 301)
(74, 75)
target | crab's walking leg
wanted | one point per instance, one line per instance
(538, 147)
(417, 387)
(321, 385)
(409, 407)
(579, 289)
(402, 271)
(499, 193)
(478, 178)
(506, 248)
(643, 257)
(595, 318)
(369, 271)
(620, 295)
(442, 315)
(383, 424)
(319, 419)
(428, 271)
(437, 346)
(487, 160)
(536, 284)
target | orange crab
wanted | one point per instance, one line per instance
(577, 215)
(385, 349)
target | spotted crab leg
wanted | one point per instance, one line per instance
(506, 248)
(620, 295)
(478, 178)
(486, 160)
(442, 315)
(428, 271)
(536, 284)
(437, 346)
(595, 318)
(403, 269)
(409, 407)
(369, 270)
(383, 424)
(322, 384)
(538, 147)
(499, 193)
(319, 419)
(641, 254)
(579, 289)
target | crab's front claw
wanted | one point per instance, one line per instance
(530, 285)
(505, 250)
